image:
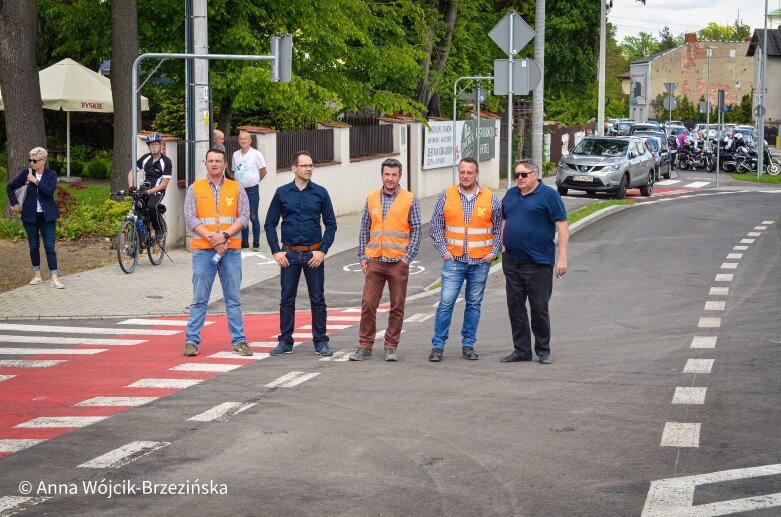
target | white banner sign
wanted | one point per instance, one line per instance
(438, 142)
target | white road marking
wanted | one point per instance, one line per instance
(205, 367)
(230, 355)
(6, 377)
(697, 184)
(51, 351)
(22, 363)
(352, 309)
(52, 340)
(667, 182)
(691, 395)
(13, 504)
(675, 496)
(734, 256)
(301, 335)
(729, 265)
(16, 445)
(60, 421)
(328, 327)
(740, 248)
(747, 241)
(419, 317)
(340, 357)
(768, 222)
(344, 318)
(291, 379)
(715, 306)
(222, 412)
(703, 342)
(753, 234)
(265, 344)
(760, 228)
(709, 323)
(85, 330)
(123, 455)
(698, 366)
(680, 434)
(719, 291)
(116, 401)
(161, 323)
(381, 334)
(164, 383)
(724, 277)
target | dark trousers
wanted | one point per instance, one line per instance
(253, 196)
(48, 231)
(151, 206)
(525, 280)
(315, 283)
(377, 273)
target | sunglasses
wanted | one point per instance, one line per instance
(523, 175)
(33, 161)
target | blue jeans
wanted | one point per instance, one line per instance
(48, 230)
(454, 273)
(204, 271)
(253, 195)
(315, 283)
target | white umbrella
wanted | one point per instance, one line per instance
(69, 86)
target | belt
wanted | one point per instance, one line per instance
(301, 249)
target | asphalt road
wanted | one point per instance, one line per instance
(587, 435)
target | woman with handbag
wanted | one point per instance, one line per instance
(36, 185)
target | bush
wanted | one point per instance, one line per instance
(77, 168)
(96, 169)
(12, 229)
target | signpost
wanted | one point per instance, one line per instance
(670, 103)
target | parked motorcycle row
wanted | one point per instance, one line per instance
(741, 160)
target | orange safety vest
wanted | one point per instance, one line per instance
(478, 234)
(207, 212)
(389, 238)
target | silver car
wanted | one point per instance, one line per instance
(607, 164)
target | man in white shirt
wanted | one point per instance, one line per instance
(249, 168)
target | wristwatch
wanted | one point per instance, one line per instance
(226, 235)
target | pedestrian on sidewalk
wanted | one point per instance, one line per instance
(301, 204)
(532, 213)
(249, 169)
(39, 212)
(465, 228)
(215, 210)
(388, 242)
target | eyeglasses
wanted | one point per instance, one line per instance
(33, 161)
(306, 165)
(523, 175)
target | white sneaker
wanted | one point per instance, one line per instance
(57, 284)
(36, 280)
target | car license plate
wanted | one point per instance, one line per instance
(587, 179)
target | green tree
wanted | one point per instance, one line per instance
(667, 40)
(715, 32)
(640, 46)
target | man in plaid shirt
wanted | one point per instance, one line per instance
(466, 230)
(387, 244)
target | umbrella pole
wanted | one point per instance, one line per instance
(68, 142)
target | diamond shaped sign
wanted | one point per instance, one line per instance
(522, 34)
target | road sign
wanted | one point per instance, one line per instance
(526, 76)
(759, 110)
(522, 33)
(670, 88)
(704, 106)
(670, 103)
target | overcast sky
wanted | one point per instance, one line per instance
(682, 16)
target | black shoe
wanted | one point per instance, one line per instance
(468, 352)
(436, 355)
(514, 357)
(545, 359)
(244, 244)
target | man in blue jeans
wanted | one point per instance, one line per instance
(533, 213)
(301, 204)
(215, 211)
(466, 230)
(249, 169)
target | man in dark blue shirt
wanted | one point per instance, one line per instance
(301, 204)
(532, 213)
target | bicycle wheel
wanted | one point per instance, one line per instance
(127, 246)
(156, 249)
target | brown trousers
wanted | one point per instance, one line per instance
(377, 273)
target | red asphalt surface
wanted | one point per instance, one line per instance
(53, 391)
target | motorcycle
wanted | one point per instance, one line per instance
(696, 159)
(746, 161)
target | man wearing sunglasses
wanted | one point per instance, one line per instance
(388, 242)
(532, 213)
(465, 229)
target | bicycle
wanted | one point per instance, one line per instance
(135, 232)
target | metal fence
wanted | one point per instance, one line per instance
(318, 142)
(369, 140)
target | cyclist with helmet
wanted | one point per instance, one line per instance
(157, 172)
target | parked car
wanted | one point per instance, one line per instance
(647, 133)
(643, 126)
(607, 164)
(663, 164)
(712, 130)
(749, 133)
(623, 127)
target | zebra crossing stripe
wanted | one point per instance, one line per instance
(230, 355)
(16, 445)
(698, 366)
(679, 434)
(21, 363)
(344, 318)
(339, 357)
(116, 401)
(85, 330)
(164, 383)
(161, 323)
(53, 340)
(6, 377)
(291, 379)
(45, 422)
(328, 327)
(123, 455)
(12, 504)
(51, 351)
(697, 184)
(222, 412)
(205, 367)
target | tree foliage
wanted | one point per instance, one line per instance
(738, 31)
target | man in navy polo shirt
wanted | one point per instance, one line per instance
(532, 213)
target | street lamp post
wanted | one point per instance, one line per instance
(707, 104)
